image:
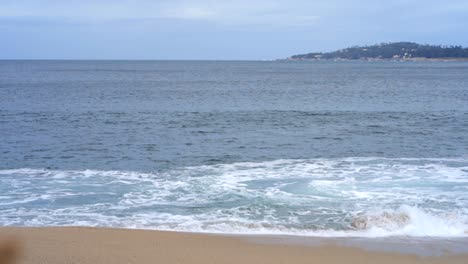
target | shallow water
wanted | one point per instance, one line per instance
(305, 148)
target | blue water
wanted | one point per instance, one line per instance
(308, 148)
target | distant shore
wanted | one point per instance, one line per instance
(374, 59)
(399, 51)
(103, 245)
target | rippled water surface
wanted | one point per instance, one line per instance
(307, 148)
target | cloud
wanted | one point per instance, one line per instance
(188, 13)
(240, 12)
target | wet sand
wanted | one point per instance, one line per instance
(103, 245)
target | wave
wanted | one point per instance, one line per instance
(368, 197)
(412, 221)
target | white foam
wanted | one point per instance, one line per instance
(316, 197)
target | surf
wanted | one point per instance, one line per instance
(361, 197)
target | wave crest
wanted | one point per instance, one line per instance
(411, 221)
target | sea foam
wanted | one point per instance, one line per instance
(368, 197)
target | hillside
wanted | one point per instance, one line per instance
(396, 50)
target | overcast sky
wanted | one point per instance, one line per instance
(204, 29)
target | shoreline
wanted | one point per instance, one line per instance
(119, 245)
(383, 60)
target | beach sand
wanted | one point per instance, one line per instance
(103, 245)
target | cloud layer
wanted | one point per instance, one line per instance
(229, 13)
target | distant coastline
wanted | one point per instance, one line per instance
(422, 59)
(397, 51)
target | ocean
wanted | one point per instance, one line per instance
(333, 149)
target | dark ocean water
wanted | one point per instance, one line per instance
(220, 146)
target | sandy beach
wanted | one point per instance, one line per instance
(102, 245)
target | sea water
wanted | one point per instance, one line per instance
(369, 149)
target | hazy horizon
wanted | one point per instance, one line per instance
(211, 30)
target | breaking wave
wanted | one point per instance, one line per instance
(370, 197)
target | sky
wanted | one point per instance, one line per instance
(219, 30)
